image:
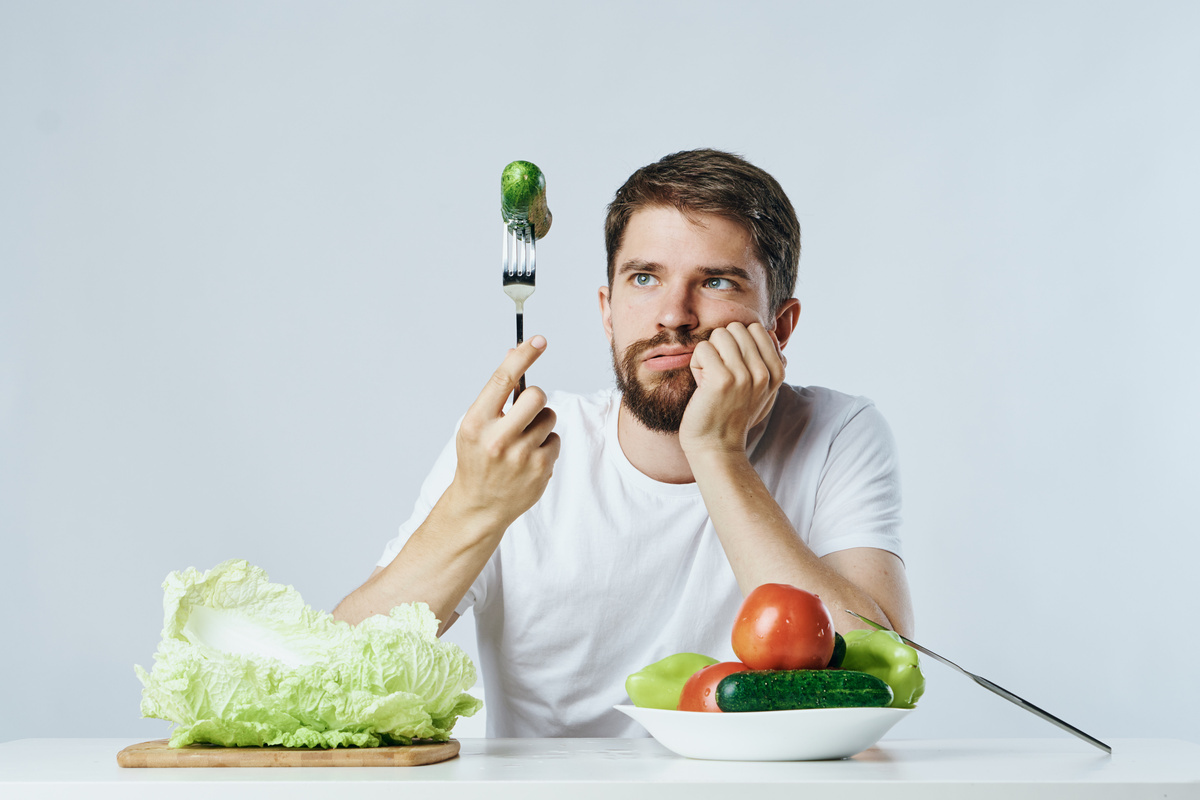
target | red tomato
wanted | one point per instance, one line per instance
(782, 627)
(700, 691)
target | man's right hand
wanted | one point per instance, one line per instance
(504, 464)
(505, 460)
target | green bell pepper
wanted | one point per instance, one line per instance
(660, 684)
(884, 655)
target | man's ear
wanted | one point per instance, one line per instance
(606, 313)
(785, 321)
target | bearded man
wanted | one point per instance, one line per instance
(700, 477)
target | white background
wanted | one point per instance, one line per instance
(249, 280)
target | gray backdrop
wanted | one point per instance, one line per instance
(250, 280)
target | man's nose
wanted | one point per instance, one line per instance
(677, 310)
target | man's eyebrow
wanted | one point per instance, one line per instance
(638, 265)
(720, 271)
(726, 271)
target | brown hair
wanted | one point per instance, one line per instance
(715, 182)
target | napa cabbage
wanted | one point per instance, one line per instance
(244, 662)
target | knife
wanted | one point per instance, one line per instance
(991, 687)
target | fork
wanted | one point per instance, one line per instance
(519, 257)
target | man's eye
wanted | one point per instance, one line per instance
(643, 279)
(718, 283)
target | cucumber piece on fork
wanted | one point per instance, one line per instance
(523, 197)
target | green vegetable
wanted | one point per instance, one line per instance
(884, 655)
(244, 662)
(660, 684)
(784, 689)
(839, 651)
(523, 197)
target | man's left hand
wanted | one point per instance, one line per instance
(737, 371)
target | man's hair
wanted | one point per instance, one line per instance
(723, 184)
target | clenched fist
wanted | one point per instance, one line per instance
(737, 371)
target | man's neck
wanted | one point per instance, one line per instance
(654, 454)
(659, 455)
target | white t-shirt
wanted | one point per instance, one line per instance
(611, 570)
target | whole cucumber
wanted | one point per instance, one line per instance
(523, 197)
(786, 689)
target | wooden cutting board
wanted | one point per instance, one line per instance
(157, 754)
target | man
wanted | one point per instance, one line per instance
(635, 530)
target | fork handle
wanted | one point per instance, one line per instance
(520, 338)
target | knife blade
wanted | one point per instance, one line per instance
(991, 687)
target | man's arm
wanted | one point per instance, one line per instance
(504, 463)
(738, 371)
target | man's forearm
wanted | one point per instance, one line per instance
(738, 373)
(504, 461)
(763, 547)
(437, 566)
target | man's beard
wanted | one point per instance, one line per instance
(660, 405)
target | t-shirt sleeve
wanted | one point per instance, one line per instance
(858, 498)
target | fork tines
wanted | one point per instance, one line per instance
(519, 258)
(519, 253)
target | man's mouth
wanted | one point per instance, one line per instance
(663, 359)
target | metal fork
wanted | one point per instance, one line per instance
(519, 256)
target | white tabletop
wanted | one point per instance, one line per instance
(631, 769)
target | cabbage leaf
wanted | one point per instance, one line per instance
(244, 662)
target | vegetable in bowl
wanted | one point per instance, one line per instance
(791, 658)
(659, 685)
(244, 662)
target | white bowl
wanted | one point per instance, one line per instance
(802, 735)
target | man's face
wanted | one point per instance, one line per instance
(675, 280)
